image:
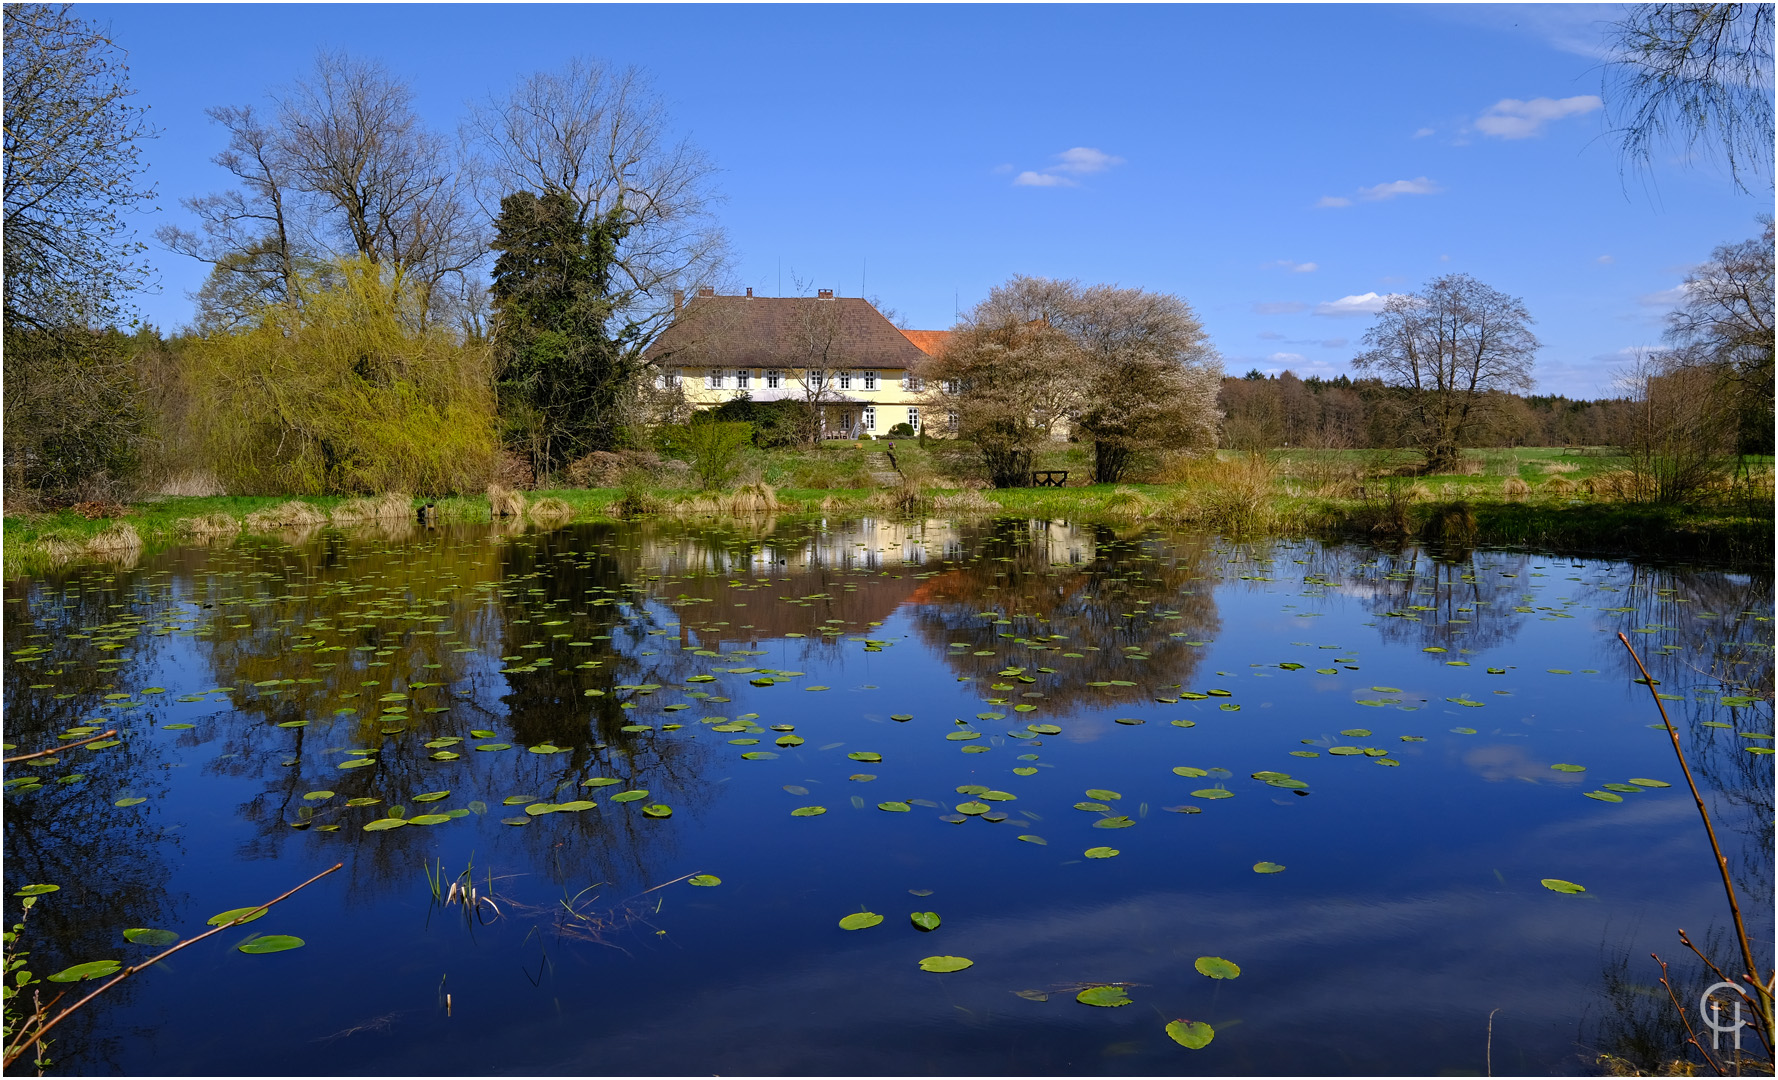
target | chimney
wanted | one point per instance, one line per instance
(826, 294)
(678, 300)
(749, 292)
(706, 290)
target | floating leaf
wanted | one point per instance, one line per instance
(865, 756)
(1119, 822)
(143, 936)
(225, 917)
(1105, 997)
(37, 890)
(859, 920)
(808, 811)
(705, 880)
(894, 807)
(1213, 793)
(1101, 852)
(655, 810)
(1191, 1034)
(271, 943)
(1031, 839)
(130, 800)
(945, 963)
(1267, 868)
(1604, 796)
(1644, 782)
(1101, 793)
(1463, 731)
(318, 796)
(925, 920)
(431, 796)
(1187, 770)
(430, 819)
(1217, 968)
(630, 796)
(96, 969)
(1558, 885)
(1356, 733)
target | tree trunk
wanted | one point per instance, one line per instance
(1441, 458)
(1009, 468)
(1110, 462)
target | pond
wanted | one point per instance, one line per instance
(867, 796)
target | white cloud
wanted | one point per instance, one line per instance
(1270, 335)
(1666, 298)
(1606, 260)
(1282, 360)
(1084, 159)
(1418, 186)
(1510, 118)
(1363, 304)
(1279, 307)
(1297, 267)
(1076, 161)
(1423, 132)
(1037, 179)
(1383, 192)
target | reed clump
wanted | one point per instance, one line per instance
(386, 507)
(293, 513)
(505, 502)
(967, 501)
(550, 508)
(207, 526)
(1514, 488)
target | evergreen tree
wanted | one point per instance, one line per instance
(564, 359)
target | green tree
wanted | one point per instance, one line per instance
(565, 360)
(74, 414)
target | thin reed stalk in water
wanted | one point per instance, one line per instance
(1763, 1018)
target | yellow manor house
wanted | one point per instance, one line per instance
(838, 354)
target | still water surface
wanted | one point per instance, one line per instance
(868, 716)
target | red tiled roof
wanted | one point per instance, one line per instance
(760, 331)
(930, 342)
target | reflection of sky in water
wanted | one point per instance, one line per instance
(1409, 910)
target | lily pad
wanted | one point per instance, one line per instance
(1565, 767)
(865, 756)
(1213, 793)
(1101, 793)
(630, 796)
(1217, 968)
(925, 920)
(1101, 852)
(704, 880)
(656, 810)
(37, 890)
(142, 935)
(808, 811)
(894, 807)
(431, 796)
(1647, 783)
(1267, 868)
(1187, 770)
(223, 918)
(946, 963)
(1105, 997)
(1558, 885)
(131, 800)
(1032, 839)
(271, 943)
(1191, 1034)
(96, 969)
(859, 920)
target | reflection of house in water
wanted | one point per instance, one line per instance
(851, 573)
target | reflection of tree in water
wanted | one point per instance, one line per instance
(1128, 607)
(1430, 602)
(111, 862)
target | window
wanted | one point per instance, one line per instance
(951, 386)
(813, 380)
(741, 379)
(667, 379)
(910, 381)
(845, 423)
(870, 380)
(845, 380)
(914, 419)
(870, 418)
(951, 419)
(713, 381)
(774, 378)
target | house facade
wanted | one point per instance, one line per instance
(836, 354)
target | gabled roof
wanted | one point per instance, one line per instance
(795, 331)
(930, 342)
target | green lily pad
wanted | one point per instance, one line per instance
(1101, 852)
(1558, 885)
(96, 969)
(925, 920)
(130, 800)
(1187, 770)
(1267, 868)
(894, 807)
(704, 880)
(37, 890)
(1101, 793)
(657, 810)
(1647, 783)
(271, 943)
(1565, 767)
(808, 811)
(1105, 997)
(223, 918)
(1604, 796)
(630, 796)
(1032, 839)
(1119, 822)
(1191, 1034)
(859, 920)
(431, 796)
(945, 963)
(1463, 731)
(865, 756)
(1213, 793)
(142, 935)
(1217, 968)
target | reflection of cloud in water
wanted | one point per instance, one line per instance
(1512, 761)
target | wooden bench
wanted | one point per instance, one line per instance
(1050, 478)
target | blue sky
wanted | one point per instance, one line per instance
(1270, 164)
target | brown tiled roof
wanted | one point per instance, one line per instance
(760, 331)
(930, 342)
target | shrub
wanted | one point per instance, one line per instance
(1514, 488)
(504, 502)
(902, 430)
(293, 513)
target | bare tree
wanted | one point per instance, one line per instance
(1696, 75)
(1152, 376)
(343, 168)
(71, 172)
(600, 135)
(1443, 350)
(817, 351)
(1725, 327)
